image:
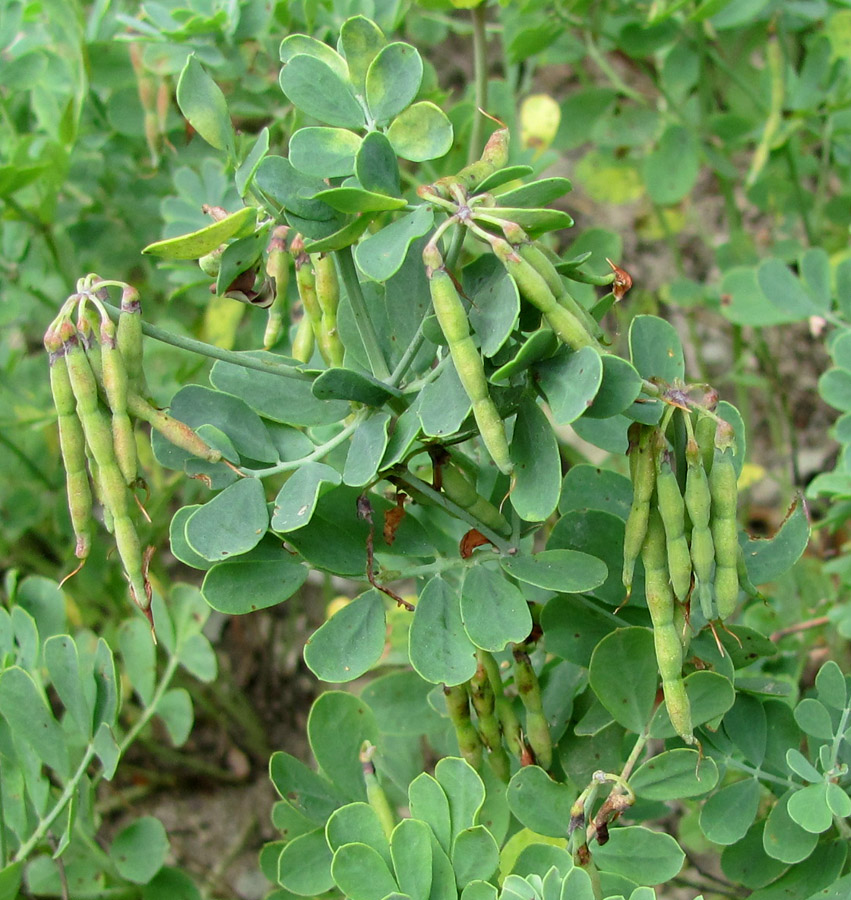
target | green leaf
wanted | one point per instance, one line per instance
(76, 693)
(357, 823)
(199, 243)
(422, 132)
(25, 710)
(728, 814)
(537, 463)
(304, 866)
(494, 302)
(814, 719)
(785, 839)
(747, 727)
(297, 499)
(591, 487)
(838, 800)
(303, 44)
(177, 539)
(393, 81)
(307, 791)
(107, 750)
(438, 645)
(494, 611)
(565, 571)
(360, 41)
(670, 171)
(464, 790)
(240, 256)
(366, 450)
(784, 290)
(711, 694)
(361, 873)
(231, 523)
(293, 191)
(541, 858)
(746, 861)
(648, 857)
(809, 808)
(629, 700)
(376, 166)
(356, 200)
(541, 344)
(655, 349)
(539, 803)
(244, 175)
(428, 801)
(400, 703)
(570, 380)
(203, 104)
(320, 92)
(175, 711)
(814, 266)
(443, 404)
(475, 855)
(675, 774)
(744, 302)
(620, 386)
(572, 629)
(106, 686)
(814, 879)
(324, 152)
(139, 850)
(337, 726)
(800, 765)
(170, 884)
(140, 658)
(246, 585)
(410, 847)
(350, 643)
(479, 890)
(537, 193)
(381, 254)
(10, 880)
(767, 560)
(834, 385)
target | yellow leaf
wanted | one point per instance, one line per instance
(540, 116)
(751, 473)
(221, 321)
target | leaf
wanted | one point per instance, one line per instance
(382, 254)
(337, 726)
(814, 719)
(292, 191)
(350, 643)
(10, 880)
(830, 683)
(297, 499)
(464, 789)
(814, 879)
(565, 571)
(324, 152)
(623, 676)
(175, 711)
(539, 803)
(357, 823)
(376, 166)
(410, 846)
(475, 855)
(443, 403)
(28, 715)
(438, 645)
(244, 175)
(785, 839)
(203, 104)
(744, 303)
(670, 171)
(747, 727)
(360, 40)
(784, 290)
(728, 814)
(537, 193)
(366, 450)
(422, 132)
(766, 560)
(304, 866)
(620, 386)
(591, 487)
(303, 44)
(710, 694)
(321, 92)
(572, 628)
(537, 464)
(393, 81)
(648, 857)
(494, 302)
(655, 349)
(106, 686)
(140, 658)
(428, 801)
(361, 874)
(834, 385)
(139, 850)
(357, 200)
(76, 693)
(675, 774)
(310, 793)
(231, 523)
(746, 861)
(246, 585)
(198, 243)
(493, 610)
(809, 808)
(570, 380)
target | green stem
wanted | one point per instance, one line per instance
(203, 349)
(605, 67)
(480, 70)
(64, 799)
(637, 749)
(800, 194)
(26, 461)
(407, 357)
(758, 773)
(349, 275)
(4, 851)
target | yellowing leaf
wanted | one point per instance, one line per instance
(751, 473)
(221, 321)
(540, 117)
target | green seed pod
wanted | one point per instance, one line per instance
(129, 338)
(494, 157)
(460, 491)
(328, 297)
(668, 643)
(643, 483)
(211, 263)
(468, 363)
(698, 504)
(672, 510)
(375, 795)
(278, 269)
(72, 446)
(484, 702)
(458, 706)
(529, 690)
(115, 384)
(179, 433)
(304, 340)
(704, 432)
(726, 590)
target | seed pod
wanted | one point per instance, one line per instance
(278, 269)
(704, 432)
(494, 157)
(724, 492)
(698, 503)
(535, 290)
(643, 483)
(529, 690)
(672, 510)
(668, 643)
(328, 297)
(468, 364)
(460, 491)
(484, 702)
(375, 795)
(304, 341)
(72, 446)
(305, 279)
(458, 706)
(115, 384)
(173, 430)
(129, 338)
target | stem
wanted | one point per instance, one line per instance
(480, 70)
(800, 196)
(605, 67)
(203, 349)
(408, 356)
(453, 509)
(758, 773)
(637, 750)
(15, 450)
(65, 798)
(349, 276)
(798, 626)
(4, 857)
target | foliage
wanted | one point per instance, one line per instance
(431, 352)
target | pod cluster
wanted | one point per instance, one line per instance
(97, 384)
(682, 523)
